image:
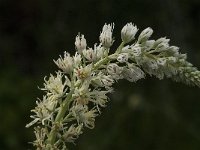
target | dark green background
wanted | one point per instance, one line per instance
(148, 115)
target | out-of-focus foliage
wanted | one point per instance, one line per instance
(151, 114)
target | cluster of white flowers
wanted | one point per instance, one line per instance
(78, 91)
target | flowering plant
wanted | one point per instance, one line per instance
(75, 95)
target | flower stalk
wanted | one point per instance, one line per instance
(64, 108)
(75, 96)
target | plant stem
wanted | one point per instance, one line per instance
(52, 136)
(65, 105)
(119, 49)
(108, 58)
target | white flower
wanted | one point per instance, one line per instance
(128, 32)
(106, 35)
(90, 54)
(54, 85)
(43, 111)
(145, 35)
(83, 72)
(77, 60)
(40, 134)
(81, 94)
(72, 133)
(99, 51)
(88, 118)
(99, 97)
(80, 43)
(66, 63)
(123, 57)
(82, 115)
(74, 97)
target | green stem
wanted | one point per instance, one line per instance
(119, 49)
(65, 105)
(108, 58)
(103, 61)
(84, 60)
(64, 108)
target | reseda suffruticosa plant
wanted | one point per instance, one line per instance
(76, 93)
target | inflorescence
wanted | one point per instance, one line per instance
(75, 95)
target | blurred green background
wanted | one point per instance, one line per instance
(148, 115)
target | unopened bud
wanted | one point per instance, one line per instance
(145, 35)
(137, 50)
(122, 58)
(161, 40)
(113, 69)
(106, 35)
(128, 32)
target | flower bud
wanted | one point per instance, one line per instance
(174, 50)
(161, 61)
(106, 35)
(123, 57)
(162, 47)
(149, 44)
(136, 50)
(80, 43)
(128, 32)
(113, 69)
(161, 40)
(133, 73)
(107, 80)
(145, 35)
(172, 59)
